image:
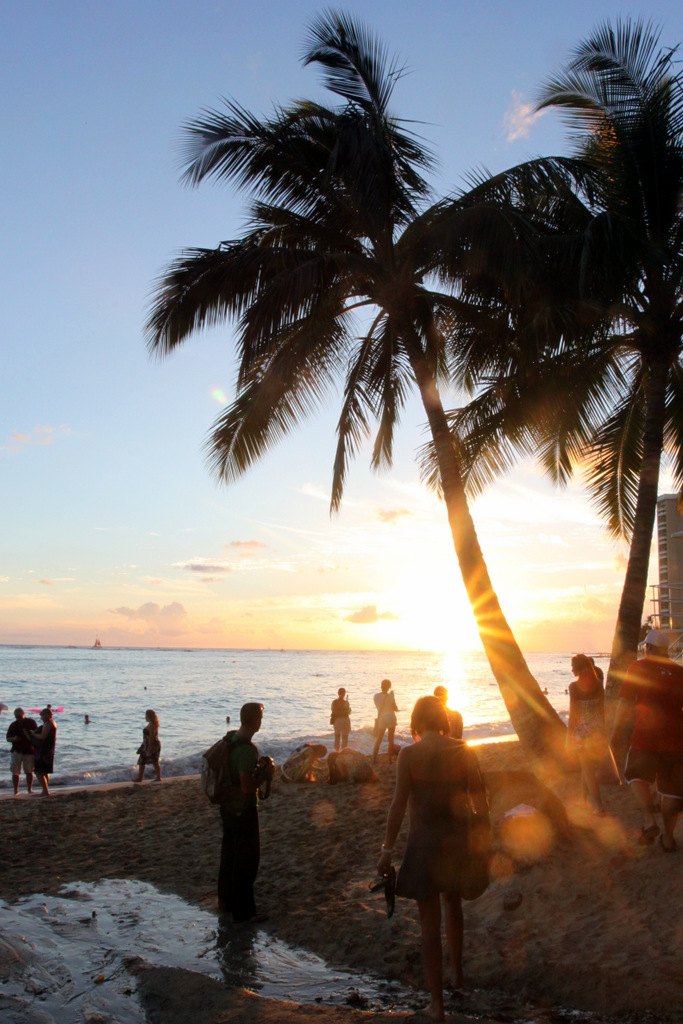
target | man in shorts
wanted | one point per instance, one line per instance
(22, 752)
(241, 846)
(651, 701)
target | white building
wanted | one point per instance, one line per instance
(669, 594)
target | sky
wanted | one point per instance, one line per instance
(110, 523)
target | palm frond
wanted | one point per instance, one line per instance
(287, 387)
(353, 425)
(356, 64)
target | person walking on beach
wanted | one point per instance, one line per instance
(650, 708)
(586, 726)
(454, 717)
(340, 720)
(149, 750)
(21, 753)
(439, 778)
(241, 845)
(44, 739)
(385, 702)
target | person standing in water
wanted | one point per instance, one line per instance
(21, 755)
(150, 748)
(44, 739)
(385, 702)
(340, 720)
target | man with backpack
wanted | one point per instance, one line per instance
(241, 846)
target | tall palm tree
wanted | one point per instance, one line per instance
(604, 388)
(336, 277)
(624, 94)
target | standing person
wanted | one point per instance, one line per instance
(44, 739)
(586, 726)
(385, 702)
(340, 720)
(437, 777)
(150, 749)
(454, 717)
(21, 755)
(241, 846)
(651, 709)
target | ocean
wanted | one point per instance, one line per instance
(193, 691)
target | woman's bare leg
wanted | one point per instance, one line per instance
(157, 771)
(44, 785)
(378, 743)
(337, 741)
(141, 772)
(671, 808)
(390, 740)
(591, 781)
(430, 924)
(454, 932)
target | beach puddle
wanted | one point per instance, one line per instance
(65, 957)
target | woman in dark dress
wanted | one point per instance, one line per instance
(43, 740)
(586, 726)
(438, 777)
(149, 750)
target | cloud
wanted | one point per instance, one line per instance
(47, 583)
(41, 435)
(369, 614)
(169, 620)
(245, 548)
(209, 568)
(519, 118)
(390, 515)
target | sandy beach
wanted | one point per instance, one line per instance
(587, 921)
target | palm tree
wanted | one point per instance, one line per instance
(336, 277)
(623, 94)
(603, 388)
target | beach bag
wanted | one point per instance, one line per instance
(215, 771)
(474, 875)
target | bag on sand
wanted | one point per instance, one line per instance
(215, 772)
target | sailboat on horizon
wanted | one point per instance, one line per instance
(97, 645)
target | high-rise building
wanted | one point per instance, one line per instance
(670, 549)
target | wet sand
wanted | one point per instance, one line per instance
(586, 922)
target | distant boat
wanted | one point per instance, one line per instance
(97, 645)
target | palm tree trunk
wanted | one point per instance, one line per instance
(629, 618)
(535, 721)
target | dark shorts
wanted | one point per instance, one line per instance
(665, 768)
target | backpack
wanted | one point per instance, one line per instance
(215, 778)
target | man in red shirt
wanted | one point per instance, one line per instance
(651, 700)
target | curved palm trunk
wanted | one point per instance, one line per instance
(534, 719)
(629, 618)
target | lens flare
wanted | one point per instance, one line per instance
(218, 395)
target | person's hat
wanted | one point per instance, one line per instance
(656, 638)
